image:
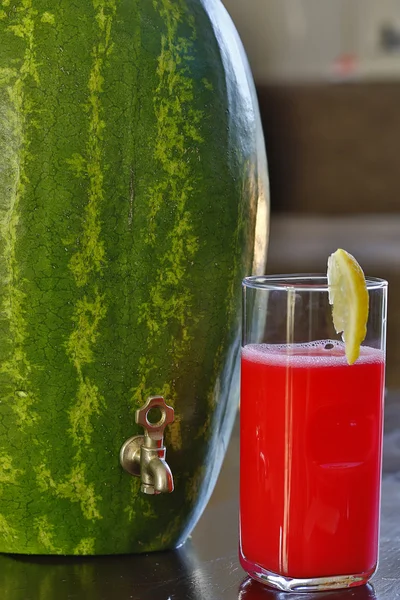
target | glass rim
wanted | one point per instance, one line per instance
(302, 282)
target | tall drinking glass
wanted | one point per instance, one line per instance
(310, 437)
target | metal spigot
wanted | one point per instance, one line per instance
(144, 455)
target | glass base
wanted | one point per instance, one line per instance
(312, 584)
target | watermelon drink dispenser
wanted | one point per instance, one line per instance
(134, 199)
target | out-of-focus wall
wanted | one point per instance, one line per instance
(319, 39)
(332, 147)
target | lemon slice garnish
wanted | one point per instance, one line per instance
(348, 295)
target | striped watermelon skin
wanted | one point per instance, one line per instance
(132, 172)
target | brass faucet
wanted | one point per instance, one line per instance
(144, 455)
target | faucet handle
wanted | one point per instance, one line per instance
(155, 430)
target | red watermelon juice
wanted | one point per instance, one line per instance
(311, 433)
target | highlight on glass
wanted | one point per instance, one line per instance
(310, 437)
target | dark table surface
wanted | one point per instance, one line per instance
(207, 566)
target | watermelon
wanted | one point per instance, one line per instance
(133, 199)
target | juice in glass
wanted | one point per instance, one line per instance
(311, 438)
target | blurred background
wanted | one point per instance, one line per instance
(327, 74)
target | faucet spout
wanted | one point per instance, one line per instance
(161, 475)
(155, 472)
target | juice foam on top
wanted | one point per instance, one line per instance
(324, 353)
